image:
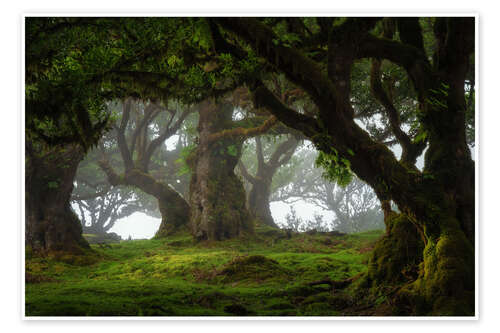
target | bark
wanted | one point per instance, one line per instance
(217, 196)
(51, 225)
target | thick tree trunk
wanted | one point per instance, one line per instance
(174, 210)
(397, 254)
(51, 225)
(217, 196)
(447, 280)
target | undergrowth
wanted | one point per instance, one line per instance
(268, 274)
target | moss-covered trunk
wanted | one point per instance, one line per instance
(51, 225)
(397, 255)
(217, 195)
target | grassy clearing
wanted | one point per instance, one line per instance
(263, 275)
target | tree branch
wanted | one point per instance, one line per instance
(240, 132)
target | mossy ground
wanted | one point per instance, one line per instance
(263, 275)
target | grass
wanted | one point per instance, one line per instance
(263, 275)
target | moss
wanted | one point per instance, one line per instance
(396, 256)
(323, 297)
(318, 309)
(179, 277)
(256, 267)
(280, 306)
(448, 277)
(28, 252)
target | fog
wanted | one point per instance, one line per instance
(140, 226)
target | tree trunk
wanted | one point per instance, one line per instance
(51, 225)
(397, 254)
(175, 214)
(217, 196)
(175, 211)
(258, 200)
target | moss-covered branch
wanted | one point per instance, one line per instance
(242, 132)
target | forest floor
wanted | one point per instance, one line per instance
(267, 274)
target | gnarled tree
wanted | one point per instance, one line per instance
(320, 61)
(51, 224)
(136, 152)
(260, 192)
(217, 196)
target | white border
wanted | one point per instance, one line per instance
(209, 13)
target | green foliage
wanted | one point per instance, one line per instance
(183, 160)
(337, 169)
(232, 150)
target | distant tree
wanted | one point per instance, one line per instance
(140, 132)
(355, 204)
(297, 224)
(262, 180)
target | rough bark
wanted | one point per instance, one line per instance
(51, 225)
(217, 196)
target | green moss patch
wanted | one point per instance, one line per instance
(258, 275)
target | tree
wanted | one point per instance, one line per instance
(261, 182)
(51, 224)
(63, 119)
(318, 56)
(217, 196)
(99, 211)
(136, 152)
(355, 204)
(97, 203)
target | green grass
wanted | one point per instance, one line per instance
(263, 275)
